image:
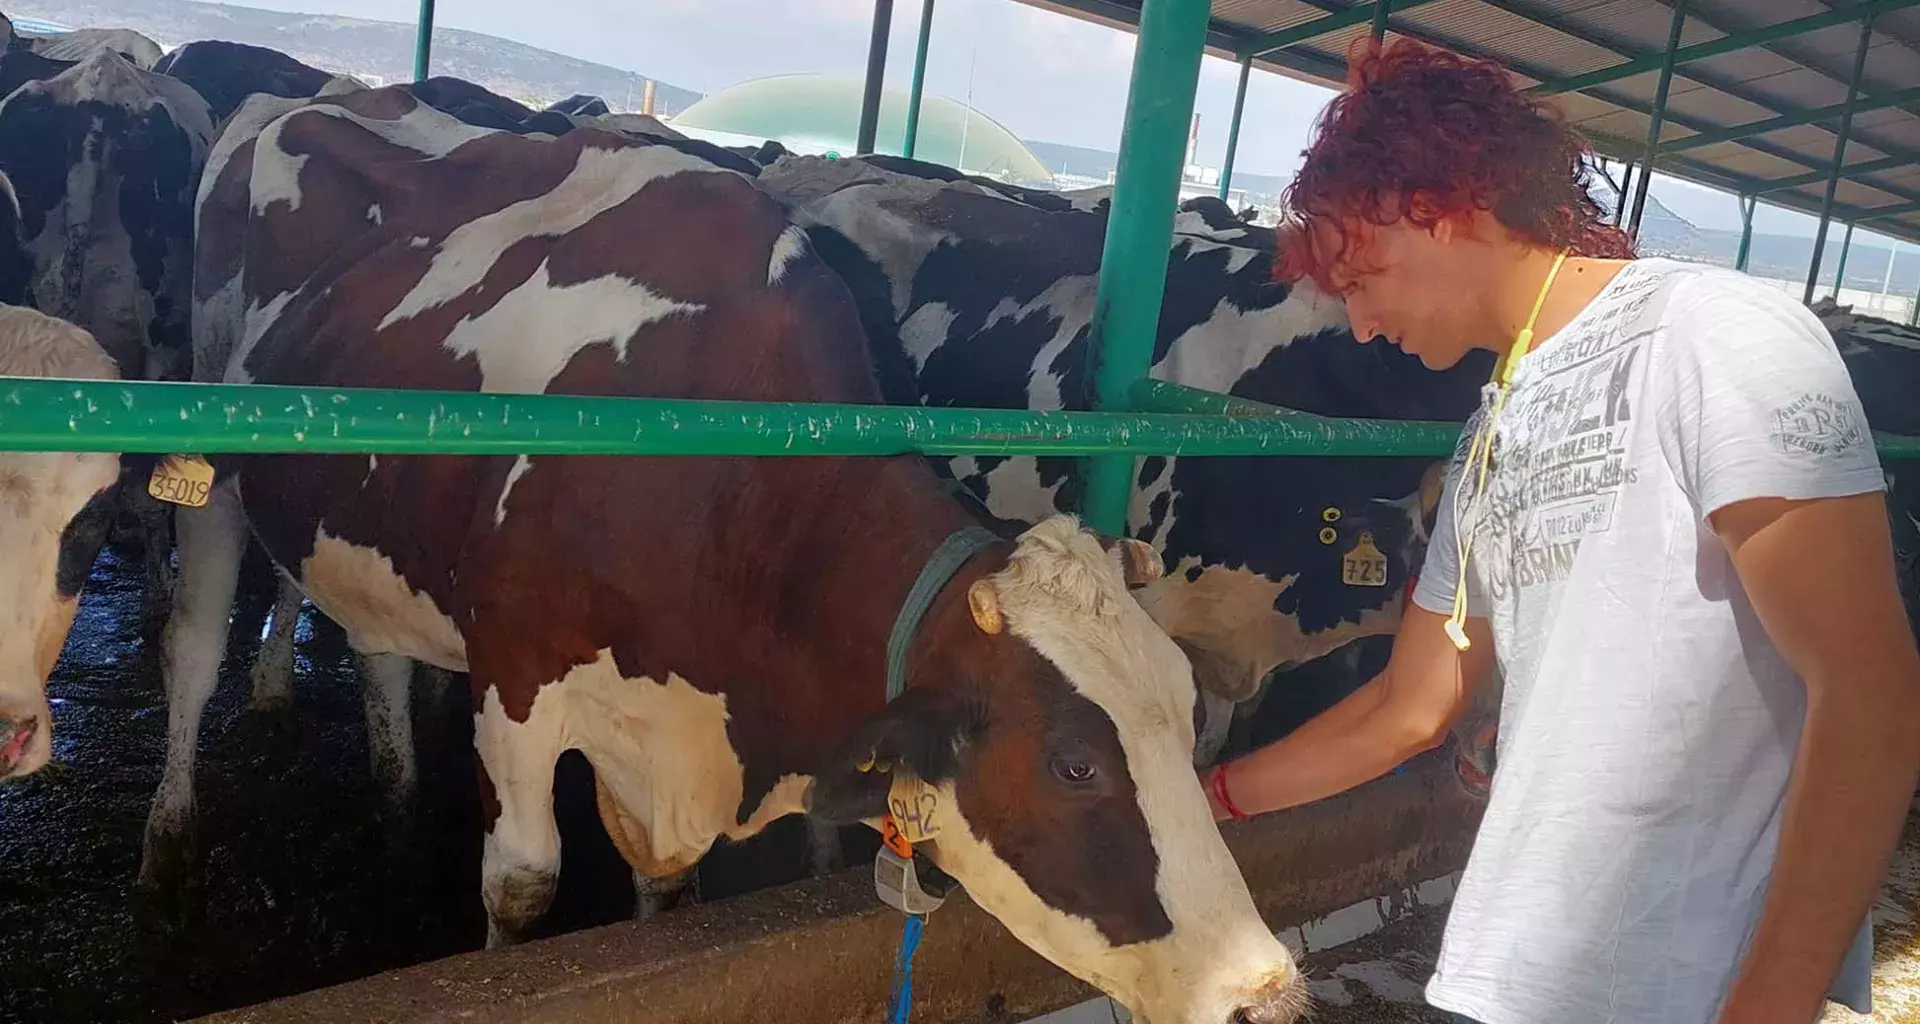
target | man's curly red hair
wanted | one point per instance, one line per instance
(1422, 135)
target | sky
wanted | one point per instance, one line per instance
(1045, 76)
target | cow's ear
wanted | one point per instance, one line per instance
(1139, 563)
(924, 732)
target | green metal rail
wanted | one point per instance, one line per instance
(154, 417)
(164, 417)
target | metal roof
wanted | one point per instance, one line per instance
(1754, 106)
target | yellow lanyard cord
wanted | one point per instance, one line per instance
(1481, 451)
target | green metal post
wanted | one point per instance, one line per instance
(1382, 9)
(1233, 130)
(1626, 190)
(423, 41)
(919, 80)
(1674, 28)
(876, 76)
(1747, 203)
(1840, 271)
(1839, 155)
(1133, 264)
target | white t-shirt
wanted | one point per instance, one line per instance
(1647, 725)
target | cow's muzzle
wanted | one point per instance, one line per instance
(22, 748)
(1281, 1002)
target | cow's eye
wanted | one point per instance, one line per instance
(1077, 772)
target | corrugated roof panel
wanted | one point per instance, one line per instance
(1713, 105)
(1262, 16)
(1742, 65)
(1908, 176)
(1752, 164)
(1479, 27)
(1640, 26)
(1798, 88)
(1853, 193)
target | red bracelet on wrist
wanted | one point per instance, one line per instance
(1217, 781)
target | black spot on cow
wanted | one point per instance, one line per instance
(18, 67)
(1150, 469)
(226, 73)
(80, 541)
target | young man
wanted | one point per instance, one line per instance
(1676, 550)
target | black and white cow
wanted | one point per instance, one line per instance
(975, 299)
(225, 74)
(105, 159)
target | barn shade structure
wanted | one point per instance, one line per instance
(1810, 104)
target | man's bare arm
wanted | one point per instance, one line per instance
(1821, 578)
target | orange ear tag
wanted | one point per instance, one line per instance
(915, 806)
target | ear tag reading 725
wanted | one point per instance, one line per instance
(181, 480)
(1365, 565)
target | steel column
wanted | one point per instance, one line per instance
(1133, 263)
(1626, 190)
(1839, 154)
(920, 80)
(1233, 129)
(423, 41)
(1382, 9)
(1747, 203)
(1840, 272)
(1678, 22)
(876, 76)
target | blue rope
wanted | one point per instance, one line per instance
(901, 1004)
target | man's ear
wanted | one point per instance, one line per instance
(923, 732)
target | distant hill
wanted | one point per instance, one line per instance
(1098, 163)
(362, 48)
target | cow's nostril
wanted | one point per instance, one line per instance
(1276, 1004)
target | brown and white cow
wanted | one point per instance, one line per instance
(710, 632)
(55, 508)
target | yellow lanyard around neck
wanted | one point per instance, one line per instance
(1482, 452)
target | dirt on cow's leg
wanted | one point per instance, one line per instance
(212, 541)
(273, 667)
(386, 695)
(520, 855)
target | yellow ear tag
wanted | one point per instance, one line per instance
(916, 807)
(1364, 565)
(985, 605)
(181, 480)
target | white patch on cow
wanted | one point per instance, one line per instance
(897, 243)
(660, 747)
(1216, 352)
(255, 321)
(40, 492)
(923, 332)
(1071, 299)
(381, 613)
(600, 180)
(525, 339)
(789, 247)
(419, 242)
(424, 130)
(1065, 597)
(1014, 490)
(520, 466)
(374, 216)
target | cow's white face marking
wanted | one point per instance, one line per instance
(358, 588)
(525, 339)
(788, 248)
(600, 180)
(1065, 597)
(519, 469)
(40, 493)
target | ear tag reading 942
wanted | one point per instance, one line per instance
(1364, 565)
(181, 480)
(915, 807)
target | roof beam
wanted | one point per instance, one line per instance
(1356, 15)
(1883, 212)
(1885, 163)
(1525, 9)
(1773, 124)
(1716, 47)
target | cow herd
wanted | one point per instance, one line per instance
(728, 641)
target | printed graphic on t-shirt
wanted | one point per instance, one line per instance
(1817, 423)
(1560, 455)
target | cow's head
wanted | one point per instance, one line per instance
(1052, 720)
(106, 159)
(55, 508)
